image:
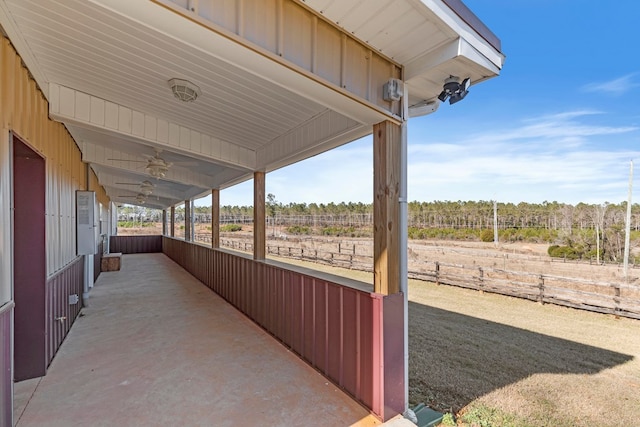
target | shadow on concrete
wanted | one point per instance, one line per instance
(456, 358)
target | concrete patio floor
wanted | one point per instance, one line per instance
(155, 347)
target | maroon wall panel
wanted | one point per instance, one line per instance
(309, 319)
(345, 333)
(319, 321)
(350, 339)
(135, 244)
(301, 330)
(393, 356)
(287, 309)
(29, 258)
(97, 262)
(334, 332)
(365, 389)
(60, 315)
(6, 376)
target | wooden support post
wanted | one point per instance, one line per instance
(259, 216)
(187, 220)
(164, 222)
(172, 229)
(215, 218)
(386, 208)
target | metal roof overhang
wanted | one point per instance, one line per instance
(280, 80)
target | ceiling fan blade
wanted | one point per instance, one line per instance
(125, 160)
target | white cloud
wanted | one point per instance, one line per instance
(552, 157)
(549, 157)
(617, 86)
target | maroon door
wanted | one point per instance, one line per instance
(29, 262)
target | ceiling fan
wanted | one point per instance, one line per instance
(140, 198)
(146, 187)
(156, 166)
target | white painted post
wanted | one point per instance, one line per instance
(627, 228)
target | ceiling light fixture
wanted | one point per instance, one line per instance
(454, 90)
(184, 90)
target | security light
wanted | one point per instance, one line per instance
(454, 90)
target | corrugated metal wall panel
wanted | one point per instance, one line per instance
(61, 314)
(97, 262)
(350, 339)
(25, 111)
(318, 317)
(6, 376)
(307, 40)
(135, 244)
(305, 299)
(336, 329)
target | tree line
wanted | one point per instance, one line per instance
(588, 230)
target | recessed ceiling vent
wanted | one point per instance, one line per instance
(184, 90)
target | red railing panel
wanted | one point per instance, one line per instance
(60, 315)
(6, 373)
(307, 322)
(350, 339)
(135, 244)
(351, 335)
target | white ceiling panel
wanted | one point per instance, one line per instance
(99, 60)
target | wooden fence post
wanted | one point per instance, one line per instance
(541, 288)
(481, 279)
(437, 273)
(616, 300)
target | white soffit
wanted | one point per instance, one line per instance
(430, 38)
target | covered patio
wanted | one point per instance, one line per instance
(160, 102)
(156, 347)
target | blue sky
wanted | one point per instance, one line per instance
(561, 122)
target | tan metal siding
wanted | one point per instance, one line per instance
(24, 110)
(288, 29)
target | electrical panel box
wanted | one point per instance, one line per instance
(393, 90)
(86, 222)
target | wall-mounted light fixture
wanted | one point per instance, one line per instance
(454, 90)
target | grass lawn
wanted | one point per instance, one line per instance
(500, 361)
